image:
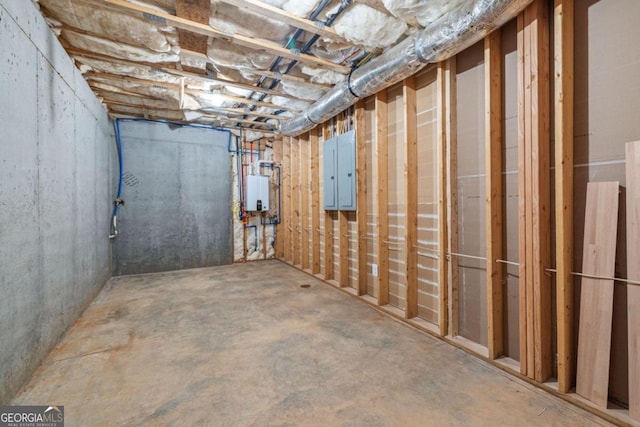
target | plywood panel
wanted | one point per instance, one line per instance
(596, 304)
(633, 273)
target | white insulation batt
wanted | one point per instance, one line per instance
(114, 26)
(420, 12)
(365, 25)
(369, 28)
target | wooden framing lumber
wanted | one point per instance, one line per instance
(382, 154)
(361, 195)
(206, 30)
(304, 197)
(411, 182)
(534, 176)
(443, 226)
(450, 125)
(596, 297)
(315, 201)
(494, 198)
(563, 100)
(94, 79)
(278, 156)
(287, 218)
(633, 273)
(79, 54)
(273, 12)
(328, 226)
(526, 352)
(343, 239)
(295, 199)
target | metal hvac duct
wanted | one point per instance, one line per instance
(452, 33)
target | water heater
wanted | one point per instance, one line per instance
(256, 196)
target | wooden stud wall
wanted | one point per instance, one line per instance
(314, 146)
(382, 154)
(342, 247)
(535, 257)
(305, 212)
(563, 101)
(493, 179)
(411, 206)
(361, 196)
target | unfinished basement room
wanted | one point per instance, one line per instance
(319, 213)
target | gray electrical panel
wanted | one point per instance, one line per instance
(339, 158)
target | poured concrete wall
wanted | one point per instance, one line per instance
(55, 193)
(177, 192)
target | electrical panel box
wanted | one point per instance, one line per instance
(256, 196)
(339, 172)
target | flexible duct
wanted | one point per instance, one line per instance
(452, 33)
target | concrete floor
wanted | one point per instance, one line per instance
(245, 345)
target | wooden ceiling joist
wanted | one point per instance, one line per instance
(125, 115)
(106, 78)
(159, 112)
(168, 102)
(267, 73)
(79, 54)
(185, 24)
(270, 11)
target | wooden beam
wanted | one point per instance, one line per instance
(159, 68)
(443, 226)
(304, 201)
(563, 99)
(361, 196)
(295, 200)
(343, 239)
(451, 119)
(534, 176)
(115, 79)
(328, 227)
(633, 273)
(156, 16)
(526, 352)
(273, 12)
(382, 154)
(174, 108)
(494, 197)
(540, 114)
(287, 216)
(315, 201)
(596, 295)
(278, 157)
(411, 182)
(172, 115)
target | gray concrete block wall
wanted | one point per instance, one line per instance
(177, 193)
(56, 147)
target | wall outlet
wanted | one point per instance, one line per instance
(374, 270)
